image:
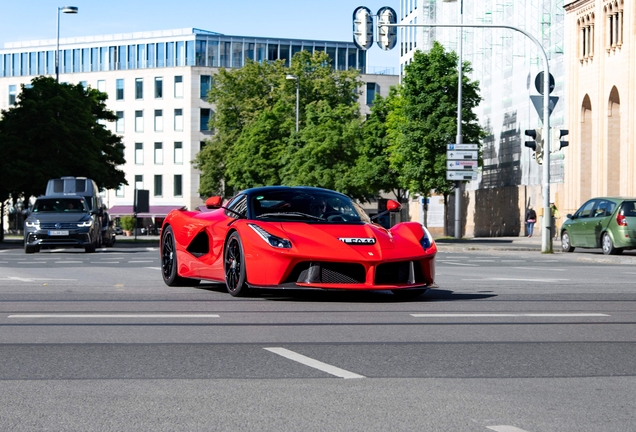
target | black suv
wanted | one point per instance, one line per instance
(62, 220)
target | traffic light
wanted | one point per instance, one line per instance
(555, 142)
(387, 36)
(536, 144)
(362, 28)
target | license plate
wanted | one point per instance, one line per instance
(58, 233)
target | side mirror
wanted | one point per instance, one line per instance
(569, 216)
(393, 206)
(213, 202)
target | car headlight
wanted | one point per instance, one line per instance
(271, 239)
(85, 224)
(427, 240)
(34, 224)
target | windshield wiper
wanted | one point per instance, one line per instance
(293, 214)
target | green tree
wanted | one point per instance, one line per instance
(429, 108)
(372, 168)
(56, 130)
(254, 137)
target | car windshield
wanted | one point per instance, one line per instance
(59, 205)
(305, 205)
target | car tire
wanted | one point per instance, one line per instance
(90, 248)
(169, 264)
(566, 245)
(31, 249)
(407, 294)
(234, 266)
(608, 245)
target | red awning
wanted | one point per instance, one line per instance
(155, 211)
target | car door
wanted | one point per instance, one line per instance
(578, 228)
(597, 221)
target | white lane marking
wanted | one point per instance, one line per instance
(457, 263)
(5, 250)
(154, 268)
(518, 279)
(14, 278)
(69, 262)
(535, 315)
(27, 262)
(629, 272)
(512, 260)
(307, 361)
(152, 248)
(114, 316)
(104, 262)
(482, 260)
(506, 428)
(4, 262)
(141, 261)
(539, 268)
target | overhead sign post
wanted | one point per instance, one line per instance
(362, 28)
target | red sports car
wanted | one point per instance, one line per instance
(295, 237)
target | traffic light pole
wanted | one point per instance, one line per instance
(546, 232)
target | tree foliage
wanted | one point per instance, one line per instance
(56, 130)
(429, 113)
(255, 142)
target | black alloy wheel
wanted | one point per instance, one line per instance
(235, 275)
(169, 263)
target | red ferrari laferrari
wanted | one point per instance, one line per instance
(295, 237)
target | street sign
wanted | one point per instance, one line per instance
(538, 83)
(461, 175)
(461, 155)
(461, 165)
(462, 146)
(537, 101)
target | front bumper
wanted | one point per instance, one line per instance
(70, 237)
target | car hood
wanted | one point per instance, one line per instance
(58, 217)
(333, 236)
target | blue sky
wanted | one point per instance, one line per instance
(325, 19)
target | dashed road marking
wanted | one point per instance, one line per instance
(308, 361)
(504, 315)
(458, 263)
(518, 280)
(506, 428)
(114, 316)
(539, 268)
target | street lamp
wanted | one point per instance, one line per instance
(458, 138)
(67, 10)
(294, 77)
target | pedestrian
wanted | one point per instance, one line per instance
(531, 218)
(554, 217)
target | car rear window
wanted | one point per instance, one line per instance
(628, 208)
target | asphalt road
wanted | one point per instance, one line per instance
(512, 341)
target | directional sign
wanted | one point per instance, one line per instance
(461, 155)
(461, 165)
(462, 146)
(461, 175)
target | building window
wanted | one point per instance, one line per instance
(586, 38)
(178, 153)
(119, 123)
(139, 88)
(139, 153)
(614, 27)
(372, 90)
(206, 81)
(119, 94)
(139, 121)
(178, 186)
(139, 182)
(119, 192)
(158, 153)
(178, 119)
(101, 85)
(205, 118)
(12, 94)
(178, 86)
(158, 120)
(158, 185)
(158, 87)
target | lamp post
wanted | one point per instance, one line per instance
(458, 138)
(67, 10)
(294, 77)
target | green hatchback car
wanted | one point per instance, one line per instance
(605, 222)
